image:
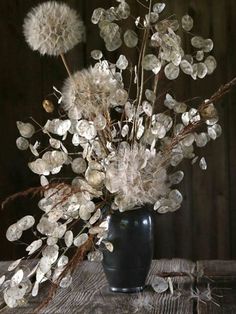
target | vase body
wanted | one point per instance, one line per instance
(131, 234)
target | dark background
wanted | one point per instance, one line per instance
(205, 226)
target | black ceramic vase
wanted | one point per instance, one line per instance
(131, 233)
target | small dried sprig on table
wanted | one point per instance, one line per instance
(120, 149)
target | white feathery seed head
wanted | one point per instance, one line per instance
(136, 177)
(90, 92)
(53, 28)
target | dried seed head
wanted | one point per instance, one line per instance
(53, 28)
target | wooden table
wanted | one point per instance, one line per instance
(201, 287)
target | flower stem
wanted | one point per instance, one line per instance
(65, 64)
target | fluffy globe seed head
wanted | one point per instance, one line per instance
(53, 28)
(136, 177)
(91, 91)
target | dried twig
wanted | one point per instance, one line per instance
(34, 191)
(224, 89)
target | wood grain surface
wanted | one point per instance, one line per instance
(89, 292)
(221, 275)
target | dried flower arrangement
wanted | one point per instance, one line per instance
(122, 150)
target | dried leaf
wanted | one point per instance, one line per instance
(35, 289)
(34, 246)
(43, 181)
(13, 233)
(68, 238)
(109, 246)
(45, 264)
(2, 279)
(130, 38)
(13, 265)
(187, 23)
(95, 217)
(122, 62)
(51, 252)
(171, 71)
(11, 302)
(25, 223)
(203, 164)
(159, 284)
(26, 129)
(80, 239)
(17, 278)
(66, 281)
(22, 143)
(62, 261)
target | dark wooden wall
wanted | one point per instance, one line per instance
(205, 226)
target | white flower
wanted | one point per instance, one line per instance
(53, 28)
(136, 177)
(91, 91)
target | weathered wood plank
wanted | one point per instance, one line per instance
(221, 278)
(216, 271)
(223, 303)
(89, 293)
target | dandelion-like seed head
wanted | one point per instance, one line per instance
(90, 91)
(53, 28)
(136, 177)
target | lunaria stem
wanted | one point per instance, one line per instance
(65, 64)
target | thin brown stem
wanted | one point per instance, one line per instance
(36, 122)
(140, 63)
(141, 88)
(142, 70)
(103, 141)
(65, 64)
(224, 89)
(156, 80)
(146, 7)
